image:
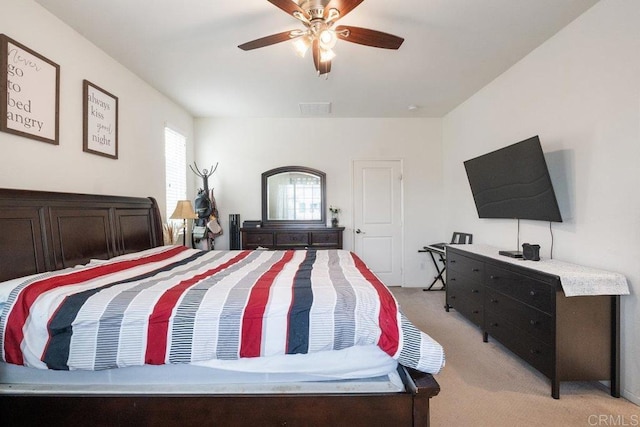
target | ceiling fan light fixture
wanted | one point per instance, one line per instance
(327, 38)
(326, 55)
(301, 45)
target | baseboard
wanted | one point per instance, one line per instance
(631, 397)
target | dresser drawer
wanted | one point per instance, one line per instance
(468, 307)
(326, 238)
(524, 317)
(253, 240)
(533, 292)
(292, 238)
(465, 296)
(285, 238)
(464, 285)
(469, 267)
(535, 352)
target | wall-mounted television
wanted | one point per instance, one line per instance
(513, 182)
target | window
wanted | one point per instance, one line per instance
(175, 155)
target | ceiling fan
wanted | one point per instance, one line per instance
(321, 34)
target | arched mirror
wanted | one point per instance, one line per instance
(293, 196)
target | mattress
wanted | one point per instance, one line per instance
(353, 370)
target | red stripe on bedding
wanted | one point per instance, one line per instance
(252, 319)
(389, 340)
(157, 334)
(22, 306)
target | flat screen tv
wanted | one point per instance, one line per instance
(513, 182)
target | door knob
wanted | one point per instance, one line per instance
(358, 231)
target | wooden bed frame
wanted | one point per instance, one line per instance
(45, 231)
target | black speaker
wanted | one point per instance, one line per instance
(234, 231)
(531, 252)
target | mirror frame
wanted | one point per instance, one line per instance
(322, 222)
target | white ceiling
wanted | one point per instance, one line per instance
(187, 49)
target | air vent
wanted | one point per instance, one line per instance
(315, 108)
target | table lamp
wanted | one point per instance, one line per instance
(184, 211)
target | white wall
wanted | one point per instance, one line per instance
(143, 112)
(580, 92)
(245, 148)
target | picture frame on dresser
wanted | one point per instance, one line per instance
(100, 121)
(30, 93)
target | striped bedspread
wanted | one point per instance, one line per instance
(178, 305)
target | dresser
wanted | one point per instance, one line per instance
(524, 307)
(292, 237)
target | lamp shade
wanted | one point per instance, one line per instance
(184, 210)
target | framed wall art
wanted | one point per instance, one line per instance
(30, 95)
(100, 121)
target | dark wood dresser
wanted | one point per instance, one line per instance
(292, 237)
(565, 338)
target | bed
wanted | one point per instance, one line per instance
(47, 236)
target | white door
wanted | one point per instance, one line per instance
(377, 195)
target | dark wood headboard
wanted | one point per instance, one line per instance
(44, 231)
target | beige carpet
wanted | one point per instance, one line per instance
(483, 384)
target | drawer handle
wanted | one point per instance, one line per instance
(494, 324)
(493, 300)
(452, 297)
(494, 277)
(474, 291)
(476, 311)
(533, 293)
(452, 261)
(534, 351)
(475, 270)
(453, 279)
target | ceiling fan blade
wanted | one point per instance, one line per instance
(290, 7)
(325, 67)
(322, 67)
(268, 40)
(315, 50)
(344, 6)
(368, 37)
